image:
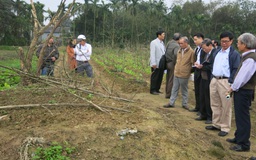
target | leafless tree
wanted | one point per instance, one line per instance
(38, 30)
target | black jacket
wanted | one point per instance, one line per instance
(234, 61)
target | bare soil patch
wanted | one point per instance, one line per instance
(162, 133)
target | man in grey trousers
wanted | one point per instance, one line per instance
(182, 71)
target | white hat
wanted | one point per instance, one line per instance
(81, 37)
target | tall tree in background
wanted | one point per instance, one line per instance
(114, 6)
(95, 15)
(132, 22)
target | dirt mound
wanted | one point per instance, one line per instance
(160, 133)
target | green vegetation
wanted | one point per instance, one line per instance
(7, 48)
(8, 79)
(10, 58)
(53, 152)
(123, 23)
(123, 63)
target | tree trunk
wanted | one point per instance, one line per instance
(26, 60)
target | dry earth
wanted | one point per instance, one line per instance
(162, 134)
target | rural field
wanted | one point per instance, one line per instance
(109, 117)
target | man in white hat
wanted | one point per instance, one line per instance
(83, 52)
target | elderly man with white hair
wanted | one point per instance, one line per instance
(242, 88)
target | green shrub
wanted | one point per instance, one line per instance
(8, 79)
(7, 47)
(55, 151)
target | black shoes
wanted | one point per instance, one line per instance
(239, 148)
(168, 106)
(154, 93)
(200, 118)
(222, 133)
(231, 140)
(208, 122)
(194, 110)
(212, 128)
(252, 158)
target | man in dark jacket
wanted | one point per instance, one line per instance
(171, 56)
(50, 55)
(198, 39)
(225, 65)
(206, 71)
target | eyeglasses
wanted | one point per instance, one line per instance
(224, 41)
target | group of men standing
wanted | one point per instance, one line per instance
(219, 71)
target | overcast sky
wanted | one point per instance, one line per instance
(53, 4)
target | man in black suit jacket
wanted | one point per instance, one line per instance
(198, 39)
(206, 68)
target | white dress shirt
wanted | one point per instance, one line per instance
(83, 53)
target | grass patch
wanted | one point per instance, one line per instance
(217, 144)
(217, 150)
(123, 63)
(10, 58)
(8, 47)
(54, 151)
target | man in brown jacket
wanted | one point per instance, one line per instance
(182, 71)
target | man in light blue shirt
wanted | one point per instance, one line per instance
(225, 64)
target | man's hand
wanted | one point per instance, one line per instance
(53, 59)
(154, 66)
(197, 65)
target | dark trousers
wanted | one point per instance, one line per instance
(205, 110)
(242, 100)
(84, 67)
(252, 97)
(197, 80)
(169, 79)
(156, 79)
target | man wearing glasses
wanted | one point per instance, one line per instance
(225, 65)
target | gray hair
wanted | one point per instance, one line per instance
(176, 36)
(185, 38)
(248, 39)
(207, 42)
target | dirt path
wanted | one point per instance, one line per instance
(179, 125)
(163, 134)
(183, 123)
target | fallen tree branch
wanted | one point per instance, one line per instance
(68, 86)
(40, 105)
(119, 109)
(55, 104)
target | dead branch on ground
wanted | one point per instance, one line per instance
(55, 104)
(50, 80)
